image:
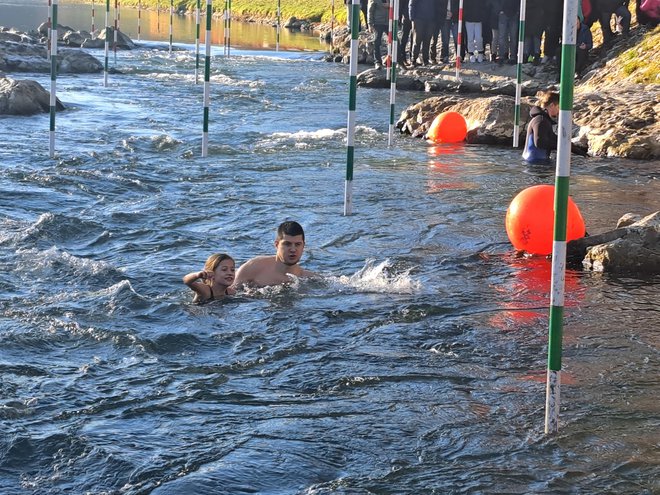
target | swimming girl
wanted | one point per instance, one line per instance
(213, 282)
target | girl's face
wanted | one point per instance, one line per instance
(225, 272)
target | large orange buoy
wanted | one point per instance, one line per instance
(448, 127)
(530, 220)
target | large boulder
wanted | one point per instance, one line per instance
(123, 41)
(489, 120)
(630, 248)
(24, 97)
(77, 62)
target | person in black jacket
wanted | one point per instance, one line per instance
(541, 138)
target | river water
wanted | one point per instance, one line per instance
(415, 365)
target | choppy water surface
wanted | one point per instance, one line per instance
(417, 363)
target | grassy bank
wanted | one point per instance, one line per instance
(311, 10)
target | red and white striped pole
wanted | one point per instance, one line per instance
(458, 40)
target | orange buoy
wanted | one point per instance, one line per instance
(530, 220)
(448, 127)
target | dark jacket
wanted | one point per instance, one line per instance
(474, 11)
(540, 139)
(535, 18)
(584, 36)
(511, 8)
(378, 13)
(422, 10)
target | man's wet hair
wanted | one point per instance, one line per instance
(290, 228)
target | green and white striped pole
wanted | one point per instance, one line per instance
(228, 27)
(521, 50)
(93, 26)
(107, 42)
(197, 33)
(49, 26)
(207, 79)
(279, 27)
(562, 178)
(350, 127)
(171, 22)
(395, 59)
(139, 20)
(114, 43)
(53, 76)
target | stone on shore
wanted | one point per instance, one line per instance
(24, 97)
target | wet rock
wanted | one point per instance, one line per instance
(630, 248)
(293, 23)
(377, 78)
(123, 41)
(24, 97)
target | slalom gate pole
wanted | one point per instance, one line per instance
(279, 21)
(228, 27)
(93, 26)
(350, 127)
(49, 26)
(107, 42)
(207, 79)
(562, 179)
(521, 53)
(458, 41)
(53, 77)
(139, 21)
(332, 25)
(114, 43)
(395, 59)
(171, 22)
(225, 17)
(388, 60)
(197, 33)
(158, 16)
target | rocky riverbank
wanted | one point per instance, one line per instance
(615, 110)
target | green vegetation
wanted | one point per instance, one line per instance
(641, 62)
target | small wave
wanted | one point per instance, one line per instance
(381, 277)
(54, 259)
(57, 229)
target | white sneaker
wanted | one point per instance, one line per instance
(471, 59)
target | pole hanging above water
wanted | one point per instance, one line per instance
(114, 43)
(197, 33)
(139, 19)
(277, 36)
(459, 39)
(395, 55)
(350, 127)
(171, 22)
(93, 26)
(107, 42)
(207, 80)
(53, 77)
(562, 179)
(521, 51)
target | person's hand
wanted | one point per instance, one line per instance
(204, 275)
(583, 46)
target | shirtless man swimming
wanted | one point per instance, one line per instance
(274, 270)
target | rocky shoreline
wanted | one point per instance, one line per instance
(613, 115)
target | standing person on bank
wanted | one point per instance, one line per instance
(422, 15)
(378, 14)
